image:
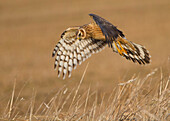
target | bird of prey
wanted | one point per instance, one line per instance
(79, 43)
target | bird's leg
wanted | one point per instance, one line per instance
(122, 49)
(119, 51)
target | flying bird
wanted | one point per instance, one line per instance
(80, 42)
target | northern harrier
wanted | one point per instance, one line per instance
(78, 43)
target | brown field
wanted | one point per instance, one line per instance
(30, 88)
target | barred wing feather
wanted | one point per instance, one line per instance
(70, 53)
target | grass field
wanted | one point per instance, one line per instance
(106, 86)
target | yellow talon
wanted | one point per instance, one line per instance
(122, 47)
(119, 51)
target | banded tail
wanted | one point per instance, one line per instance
(131, 51)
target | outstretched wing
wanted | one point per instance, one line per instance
(70, 52)
(109, 30)
(120, 44)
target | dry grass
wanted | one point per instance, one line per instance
(112, 87)
(137, 99)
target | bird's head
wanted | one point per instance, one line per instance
(81, 34)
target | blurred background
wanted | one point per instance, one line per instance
(29, 30)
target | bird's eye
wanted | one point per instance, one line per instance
(79, 34)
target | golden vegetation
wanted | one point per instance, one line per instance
(137, 99)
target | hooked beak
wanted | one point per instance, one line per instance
(78, 38)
